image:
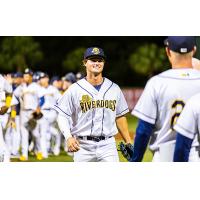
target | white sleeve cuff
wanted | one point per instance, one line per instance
(64, 126)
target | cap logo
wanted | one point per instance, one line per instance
(183, 50)
(96, 51)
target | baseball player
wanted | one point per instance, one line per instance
(12, 135)
(5, 99)
(94, 105)
(188, 126)
(48, 97)
(164, 98)
(68, 80)
(27, 95)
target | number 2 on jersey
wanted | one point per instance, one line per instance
(178, 106)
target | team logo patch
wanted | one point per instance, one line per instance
(185, 74)
(96, 51)
(86, 98)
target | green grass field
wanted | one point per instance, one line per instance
(63, 157)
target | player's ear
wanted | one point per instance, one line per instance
(168, 51)
(194, 50)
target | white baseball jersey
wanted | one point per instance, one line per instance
(5, 87)
(93, 112)
(163, 100)
(188, 123)
(51, 94)
(27, 96)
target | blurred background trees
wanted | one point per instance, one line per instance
(131, 60)
(17, 53)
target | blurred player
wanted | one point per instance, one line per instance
(94, 105)
(163, 100)
(12, 135)
(188, 126)
(68, 80)
(27, 95)
(57, 82)
(48, 97)
(5, 98)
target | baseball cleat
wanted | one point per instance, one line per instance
(23, 158)
(39, 156)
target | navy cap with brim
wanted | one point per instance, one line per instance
(180, 44)
(28, 71)
(94, 52)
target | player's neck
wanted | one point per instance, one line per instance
(182, 65)
(94, 80)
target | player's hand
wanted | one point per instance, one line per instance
(73, 144)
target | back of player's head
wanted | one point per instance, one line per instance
(70, 77)
(92, 52)
(54, 78)
(180, 44)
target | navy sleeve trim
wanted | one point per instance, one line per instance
(62, 111)
(122, 111)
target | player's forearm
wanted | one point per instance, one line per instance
(64, 126)
(182, 148)
(143, 133)
(122, 126)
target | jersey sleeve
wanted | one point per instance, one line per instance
(146, 107)
(187, 124)
(7, 87)
(64, 105)
(122, 107)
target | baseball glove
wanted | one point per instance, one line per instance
(127, 150)
(37, 115)
(31, 124)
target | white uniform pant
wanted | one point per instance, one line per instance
(24, 118)
(12, 137)
(50, 130)
(4, 153)
(193, 156)
(102, 151)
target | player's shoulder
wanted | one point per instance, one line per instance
(180, 74)
(194, 100)
(110, 83)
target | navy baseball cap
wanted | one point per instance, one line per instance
(43, 75)
(18, 75)
(94, 52)
(54, 78)
(70, 77)
(28, 71)
(180, 44)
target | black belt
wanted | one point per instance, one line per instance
(94, 138)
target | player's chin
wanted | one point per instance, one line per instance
(97, 72)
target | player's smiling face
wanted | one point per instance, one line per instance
(94, 65)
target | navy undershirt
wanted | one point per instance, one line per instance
(97, 87)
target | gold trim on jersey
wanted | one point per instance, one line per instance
(87, 104)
